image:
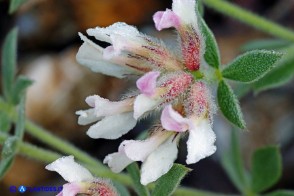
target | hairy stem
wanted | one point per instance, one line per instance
(61, 145)
(251, 19)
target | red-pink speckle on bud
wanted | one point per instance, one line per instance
(191, 44)
(198, 102)
(101, 188)
(176, 84)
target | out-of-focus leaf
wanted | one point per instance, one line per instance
(229, 104)
(9, 147)
(133, 170)
(200, 8)
(233, 164)
(15, 4)
(281, 193)
(280, 75)
(251, 66)
(5, 165)
(168, 183)
(266, 168)
(21, 84)
(266, 44)
(9, 63)
(8, 152)
(5, 122)
(211, 54)
(122, 190)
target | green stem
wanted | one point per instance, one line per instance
(61, 145)
(251, 19)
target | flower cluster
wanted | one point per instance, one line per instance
(165, 84)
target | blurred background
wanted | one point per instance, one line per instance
(48, 43)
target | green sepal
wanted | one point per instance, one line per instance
(211, 54)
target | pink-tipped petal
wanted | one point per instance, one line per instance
(201, 142)
(166, 19)
(147, 83)
(71, 189)
(172, 120)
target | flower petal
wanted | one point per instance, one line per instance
(117, 161)
(71, 189)
(166, 19)
(159, 162)
(70, 170)
(172, 120)
(104, 107)
(112, 127)
(90, 55)
(143, 104)
(87, 116)
(147, 83)
(119, 28)
(201, 142)
(185, 10)
(137, 150)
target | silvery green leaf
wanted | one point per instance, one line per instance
(168, 183)
(229, 104)
(251, 66)
(281, 74)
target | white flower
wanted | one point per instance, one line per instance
(157, 153)
(115, 118)
(79, 178)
